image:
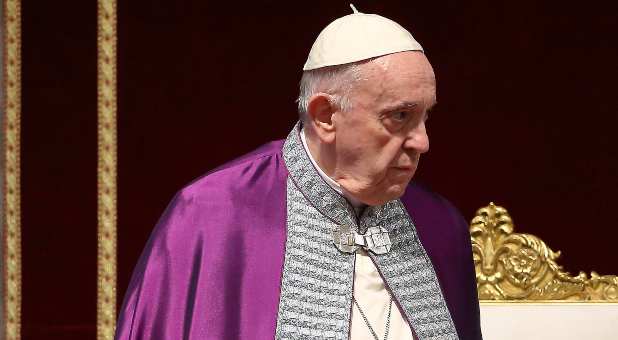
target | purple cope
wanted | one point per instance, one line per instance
(212, 266)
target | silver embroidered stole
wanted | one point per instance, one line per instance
(317, 280)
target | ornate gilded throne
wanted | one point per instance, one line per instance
(525, 294)
(521, 267)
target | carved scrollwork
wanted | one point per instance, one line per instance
(513, 266)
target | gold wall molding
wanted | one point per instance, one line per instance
(107, 169)
(521, 267)
(12, 197)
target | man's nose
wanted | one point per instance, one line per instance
(417, 139)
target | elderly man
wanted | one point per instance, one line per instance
(320, 236)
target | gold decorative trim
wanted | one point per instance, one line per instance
(529, 303)
(107, 170)
(521, 267)
(12, 196)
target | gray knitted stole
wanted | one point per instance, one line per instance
(317, 280)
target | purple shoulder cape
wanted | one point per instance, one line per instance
(445, 236)
(212, 266)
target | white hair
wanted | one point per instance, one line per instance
(337, 81)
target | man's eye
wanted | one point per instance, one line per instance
(399, 116)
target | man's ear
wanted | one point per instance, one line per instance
(320, 110)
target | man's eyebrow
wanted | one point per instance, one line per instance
(407, 105)
(401, 106)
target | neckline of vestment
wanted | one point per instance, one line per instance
(328, 201)
(356, 204)
(406, 270)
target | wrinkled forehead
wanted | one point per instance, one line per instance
(405, 76)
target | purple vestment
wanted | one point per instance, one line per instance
(213, 265)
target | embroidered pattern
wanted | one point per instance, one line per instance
(317, 280)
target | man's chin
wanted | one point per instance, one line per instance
(397, 189)
(381, 193)
(393, 192)
(396, 192)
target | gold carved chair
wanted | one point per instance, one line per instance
(514, 266)
(525, 294)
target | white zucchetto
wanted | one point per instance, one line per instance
(357, 37)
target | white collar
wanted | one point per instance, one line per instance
(358, 205)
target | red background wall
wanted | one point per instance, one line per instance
(526, 118)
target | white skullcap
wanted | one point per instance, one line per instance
(357, 37)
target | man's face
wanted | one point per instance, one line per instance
(378, 142)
